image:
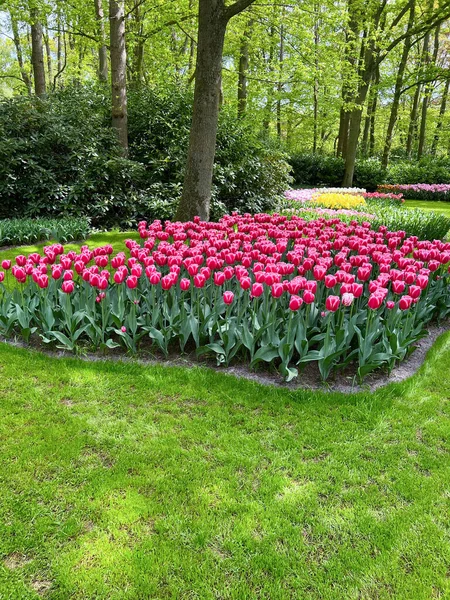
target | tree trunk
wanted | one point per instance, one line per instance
(37, 55)
(49, 58)
(280, 84)
(269, 101)
(102, 50)
(16, 37)
(412, 129)
(316, 77)
(367, 68)
(373, 112)
(398, 90)
(440, 118)
(427, 94)
(366, 132)
(196, 195)
(213, 17)
(355, 121)
(351, 36)
(243, 68)
(118, 72)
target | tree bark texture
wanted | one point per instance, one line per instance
(37, 55)
(196, 194)
(118, 72)
(19, 53)
(102, 49)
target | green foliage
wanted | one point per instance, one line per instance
(427, 225)
(368, 174)
(427, 170)
(60, 157)
(28, 231)
(319, 169)
(316, 169)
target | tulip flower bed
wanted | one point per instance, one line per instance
(263, 288)
(418, 191)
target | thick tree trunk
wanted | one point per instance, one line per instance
(351, 36)
(398, 90)
(440, 118)
(243, 69)
(196, 195)
(16, 37)
(355, 122)
(37, 54)
(102, 50)
(213, 18)
(118, 72)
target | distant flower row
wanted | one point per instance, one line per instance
(418, 191)
(309, 195)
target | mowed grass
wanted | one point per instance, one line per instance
(439, 207)
(116, 238)
(124, 481)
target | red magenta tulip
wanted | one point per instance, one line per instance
(405, 302)
(6, 264)
(257, 290)
(374, 301)
(295, 303)
(68, 286)
(308, 297)
(219, 278)
(228, 297)
(332, 303)
(277, 290)
(132, 282)
(199, 281)
(185, 284)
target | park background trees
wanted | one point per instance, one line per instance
(352, 79)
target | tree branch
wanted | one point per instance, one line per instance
(236, 8)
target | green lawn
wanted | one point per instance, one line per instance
(116, 238)
(138, 482)
(123, 481)
(441, 207)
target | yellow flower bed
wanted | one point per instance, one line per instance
(335, 200)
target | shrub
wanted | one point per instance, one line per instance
(426, 170)
(329, 293)
(368, 174)
(60, 157)
(317, 169)
(28, 231)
